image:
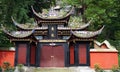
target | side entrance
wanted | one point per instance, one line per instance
(79, 54)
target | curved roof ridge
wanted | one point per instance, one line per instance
(79, 28)
(87, 34)
(68, 14)
(18, 34)
(19, 25)
(85, 25)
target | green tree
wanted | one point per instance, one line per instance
(76, 3)
(105, 12)
(102, 12)
(21, 11)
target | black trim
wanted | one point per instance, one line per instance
(66, 52)
(38, 55)
(16, 54)
(76, 54)
(88, 55)
(28, 55)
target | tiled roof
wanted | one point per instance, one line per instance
(87, 34)
(24, 26)
(34, 26)
(52, 17)
(18, 34)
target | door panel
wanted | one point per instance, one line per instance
(45, 59)
(52, 56)
(82, 54)
(22, 52)
(58, 53)
(32, 54)
(72, 55)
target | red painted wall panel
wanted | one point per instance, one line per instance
(33, 51)
(22, 52)
(7, 56)
(71, 54)
(82, 54)
(106, 60)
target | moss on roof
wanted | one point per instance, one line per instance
(75, 22)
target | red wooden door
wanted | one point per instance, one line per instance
(22, 53)
(58, 59)
(32, 54)
(52, 56)
(82, 54)
(45, 56)
(72, 55)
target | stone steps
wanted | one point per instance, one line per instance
(58, 69)
(83, 69)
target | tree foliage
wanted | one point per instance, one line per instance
(21, 11)
(102, 12)
(76, 3)
(105, 12)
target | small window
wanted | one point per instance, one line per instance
(39, 37)
(66, 37)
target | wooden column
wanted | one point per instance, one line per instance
(66, 50)
(32, 54)
(38, 54)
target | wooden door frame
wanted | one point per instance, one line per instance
(27, 52)
(66, 52)
(73, 44)
(77, 53)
